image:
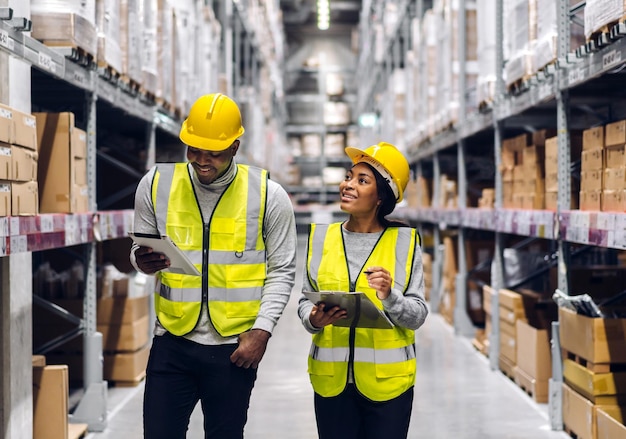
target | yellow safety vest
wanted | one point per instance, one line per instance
(229, 251)
(383, 360)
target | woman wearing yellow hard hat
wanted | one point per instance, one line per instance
(363, 373)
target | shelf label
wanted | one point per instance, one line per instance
(5, 41)
(45, 61)
(611, 58)
(19, 244)
(46, 223)
(79, 77)
(575, 75)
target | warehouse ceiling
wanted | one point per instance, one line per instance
(301, 15)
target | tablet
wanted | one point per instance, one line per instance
(362, 312)
(179, 262)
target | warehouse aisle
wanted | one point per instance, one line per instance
(456, 393)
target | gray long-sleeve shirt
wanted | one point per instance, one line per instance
(279, 232)
(408, 310)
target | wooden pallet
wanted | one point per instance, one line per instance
(594, 367)
(533, 388)
(507, 367)
(604, 30)
(131, 383)
(77, 54)
(569, 432)
(76, 431)
(109, 72)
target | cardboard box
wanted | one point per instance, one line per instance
(6, 162)
(24, 198)
(593, 138)
(615, 156)
(610, 422)
(595, 339)
(62, 165)
(129, 367)
(591, 180)
(508, 347)
(613, 201)
(598, 387)
(615, 133)
(126, 366)
(538, 389)
(23, 163)
(5, 199)
(111, 310)
(6, 124)
(590, 200)
(614, 179)
(50, 402)
(533, 351)
(25, 130)
(592, 159)
(578, 414)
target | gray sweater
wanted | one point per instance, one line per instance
(408, 310)
(279, 232)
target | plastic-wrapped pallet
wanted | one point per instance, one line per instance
(108, 25)
(67, 23)
(518, 35)
(600, 13)
(486, 48)
(131, 29)
(184, 52)
(148, 13)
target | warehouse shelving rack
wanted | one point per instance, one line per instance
(309, 96)
(61, 81)
(565, 95)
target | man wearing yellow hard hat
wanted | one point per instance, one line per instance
(363, 374)
(238, 228)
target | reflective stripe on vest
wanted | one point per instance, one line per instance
(383, 359)
(235, 259)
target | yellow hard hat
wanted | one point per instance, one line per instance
(214, 123)
(388, 161)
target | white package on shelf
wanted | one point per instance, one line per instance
(148, 13)
(165, 52)
(65, 23)
(518, 34)
(108, 24)
(599, 13)
(130, 39)
(486, 48)
(184, 51)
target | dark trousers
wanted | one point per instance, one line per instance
(350, 415)
(179, 374)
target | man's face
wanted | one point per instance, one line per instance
(210, 165)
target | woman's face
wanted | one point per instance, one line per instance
(358, 191)
(210, 165)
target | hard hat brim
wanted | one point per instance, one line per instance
(206, 144)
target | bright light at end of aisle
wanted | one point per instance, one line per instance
(323, 14)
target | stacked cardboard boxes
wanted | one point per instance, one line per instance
(511, 309)
(594, 392)
(513, 178)
(552, 171)
(18, 163)
(591, 165)
(614, 175)
(62, 165)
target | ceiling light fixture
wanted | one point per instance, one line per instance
(323, 14)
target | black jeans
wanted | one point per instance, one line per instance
(350, 415)
(179, 374)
